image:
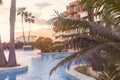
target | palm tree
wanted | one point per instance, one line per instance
(30, 19)
(21, 11)
(12, 56)
(104, 52)
(0, 1)
(3, 61)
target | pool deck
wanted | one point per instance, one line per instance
(78, 75)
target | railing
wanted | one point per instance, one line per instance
(83, 14)
(71, 32)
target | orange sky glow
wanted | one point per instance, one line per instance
(42, 9)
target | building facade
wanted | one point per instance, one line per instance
(72, 11)
(75, 12)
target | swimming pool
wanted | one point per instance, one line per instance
(39, 67)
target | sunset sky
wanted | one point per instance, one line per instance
(42, 9)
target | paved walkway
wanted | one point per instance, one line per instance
(78, 75)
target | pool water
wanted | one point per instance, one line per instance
(39, 67)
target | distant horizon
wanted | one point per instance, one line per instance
(48, 35)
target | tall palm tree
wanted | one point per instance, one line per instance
(21, 11)
(30, 19)
(3, 61)
(106, 45)
(0, 1)
(12, 56)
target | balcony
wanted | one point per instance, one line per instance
(83, 14)
(66, 33)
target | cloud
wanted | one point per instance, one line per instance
(42, 5)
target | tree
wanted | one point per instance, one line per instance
(30, 19)
(21, 11)
(12, 56)
(56, 47)
(43, 44)
(106, 45)
(0, 1)
(19, 45)
(3, 61)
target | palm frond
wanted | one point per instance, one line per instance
(93, 55)
(21, 11)
(80, 42)
(88, 4)
(113, 50)
(112, 6)
(87, 54)
(67, 59)
(68, 23)
(103, 54)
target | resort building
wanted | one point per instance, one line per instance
(73, 11)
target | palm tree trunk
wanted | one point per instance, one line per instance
(23, 32)
(12, 56)
(0, 1)
(3, 61)
(90, 18)
(91, 15)
(29, 34)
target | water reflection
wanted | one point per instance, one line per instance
(39, 68)
(11, 76)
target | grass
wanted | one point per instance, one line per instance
(84, 70)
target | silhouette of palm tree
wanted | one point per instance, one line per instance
(30, 19)
(12, 56)
(21, 11)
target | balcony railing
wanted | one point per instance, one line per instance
(71, 32)
(83, 14)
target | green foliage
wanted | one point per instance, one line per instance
(106, 45)
(19, 45)
(112, 7)
(29, 17)
(83, 70)
(57, 47)
(22, 12)
(43, 44)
